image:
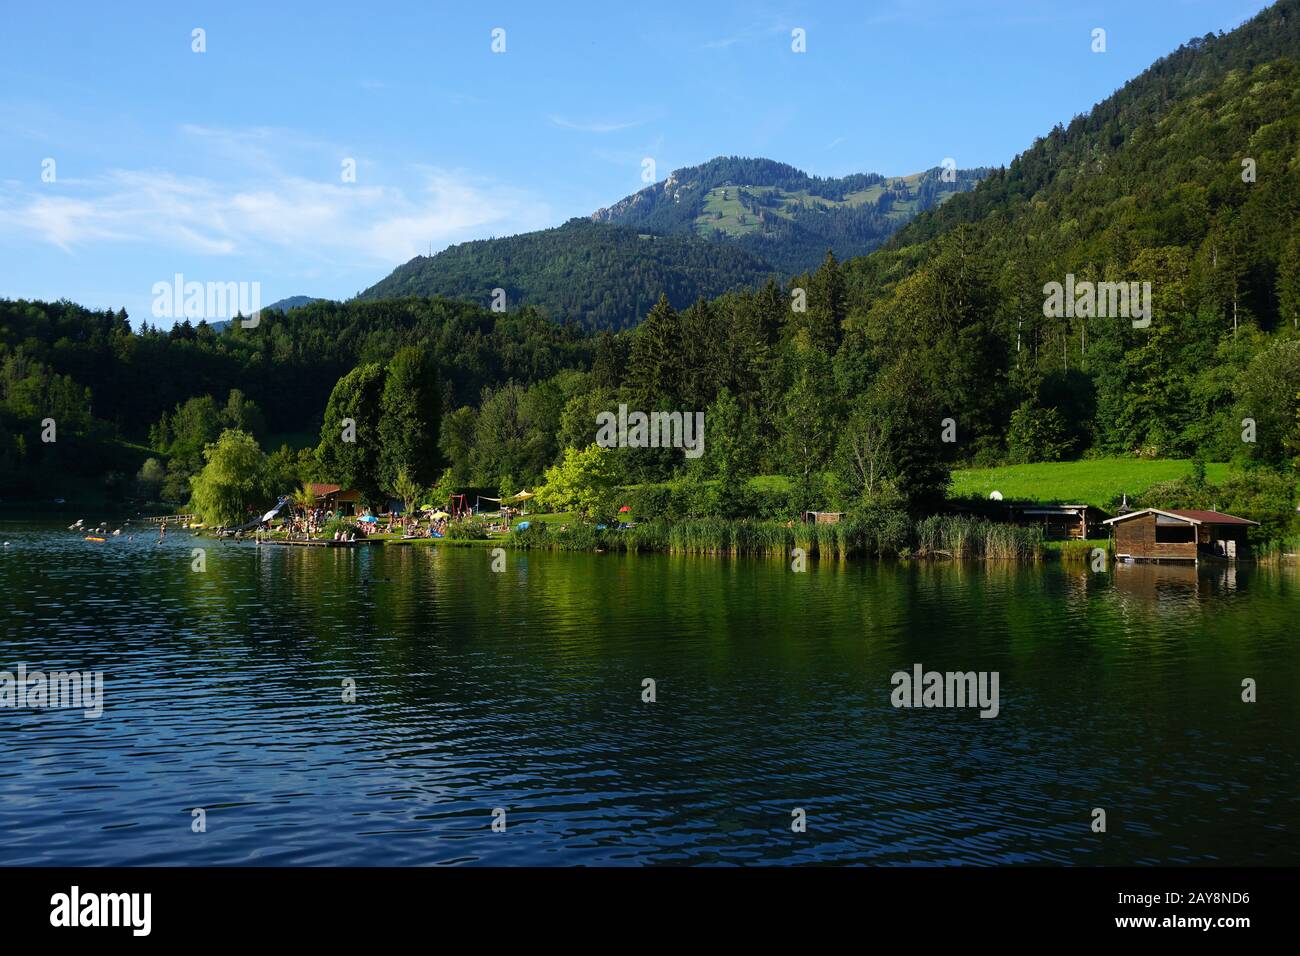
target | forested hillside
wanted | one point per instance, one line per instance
(728, 224)
(1188, 179)
(595, 275)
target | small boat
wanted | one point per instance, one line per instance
(91, 537)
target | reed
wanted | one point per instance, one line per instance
(1276, 550)
(867, 536)
(960, 536)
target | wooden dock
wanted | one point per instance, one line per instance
(180, 519)
(312, 543)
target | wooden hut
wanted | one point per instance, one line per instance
(823, 517)
(343, 501)
(1058, 521)
(1153, 534)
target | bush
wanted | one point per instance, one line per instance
(535, 537)
(335, 525)
(884, 530)
(649, 502)
(1260, 494)
(465, 530)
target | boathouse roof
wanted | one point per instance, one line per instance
(1186, 515)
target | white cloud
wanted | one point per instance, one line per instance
(271, 211)
(589, 127)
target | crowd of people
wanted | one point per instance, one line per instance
(309, 523)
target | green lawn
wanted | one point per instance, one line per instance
(1093, 482)
(559, 517)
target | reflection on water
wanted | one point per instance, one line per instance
(522, 690)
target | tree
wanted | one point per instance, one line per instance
(196, 424)
(149, 480)
(827, 305)
(730, 450)
(349, 437)
(408, 489)
(583, 481)
(864, 458)
(408, 422)
(893, 443)
(232, 480)
(456, 441)
(1266, 395)
(809, 417)
(243, 414)
(303, 498)
(176, 488)
(655, 363)
(440, 493)
(1036, 434)
(1288, 282)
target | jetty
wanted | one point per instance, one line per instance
(183, 519)
(310, 542)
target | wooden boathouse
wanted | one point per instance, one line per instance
(1153, 534)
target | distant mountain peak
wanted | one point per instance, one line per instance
(728, 223)
(781, 213)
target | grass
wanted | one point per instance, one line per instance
(559, 517)
(730, 216)
(1076, 550)
(1098, 481)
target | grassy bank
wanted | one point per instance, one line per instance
(1096, 481)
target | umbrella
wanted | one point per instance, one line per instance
(439, 515)
(624, 509)
(369, 519)
(524, 495)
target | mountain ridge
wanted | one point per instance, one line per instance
(743, 221)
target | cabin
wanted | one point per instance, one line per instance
(1153, 534)
(1059, 521)
(342, 501)
(823, 517)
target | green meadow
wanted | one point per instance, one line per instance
(1097, 481)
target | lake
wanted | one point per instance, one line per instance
(522, 691)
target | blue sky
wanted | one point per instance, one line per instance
(226, 165)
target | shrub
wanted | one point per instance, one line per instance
(465, 530)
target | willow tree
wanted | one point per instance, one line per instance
(233, 479)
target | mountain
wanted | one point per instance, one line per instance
(292, 302)
(1184, 183)
(281, 305)
(595, 274)
(780, 213)
(727, 224)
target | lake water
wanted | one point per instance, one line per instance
(522, 690)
